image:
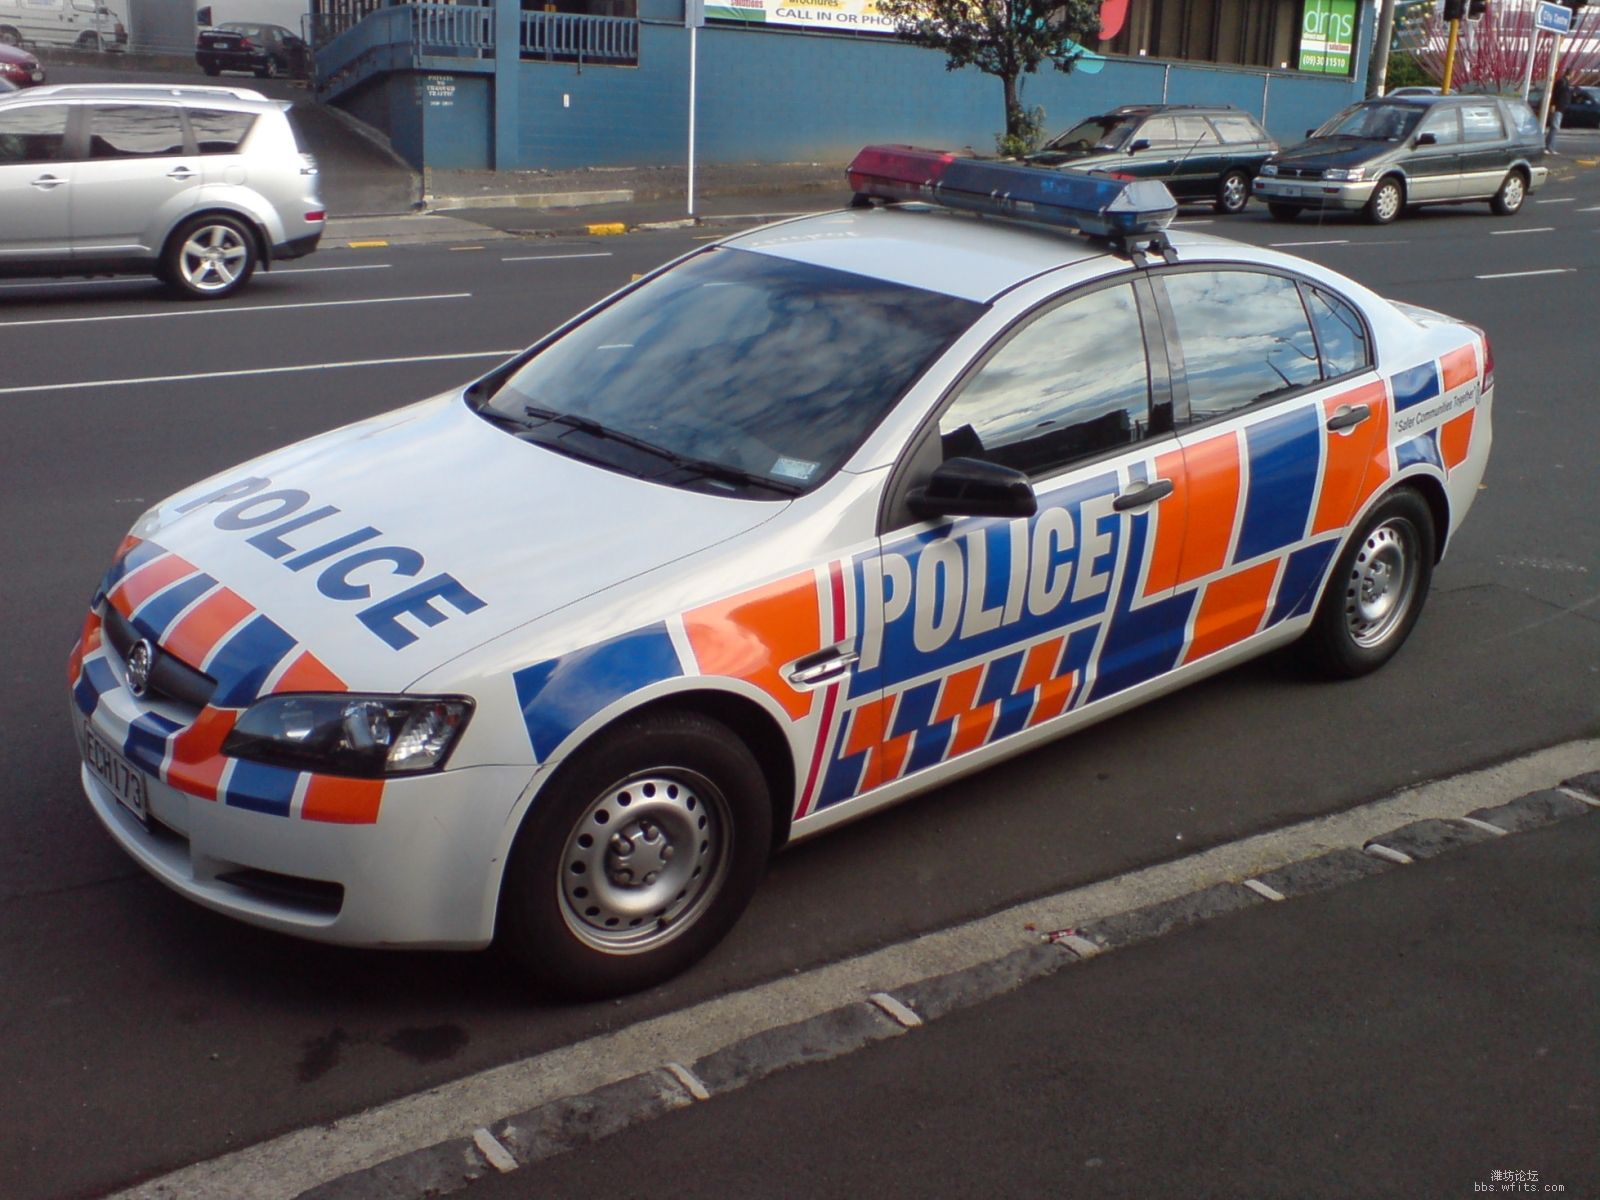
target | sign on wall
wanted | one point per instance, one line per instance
(856, 16)
(1328, 36)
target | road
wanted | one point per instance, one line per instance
(139, 1033)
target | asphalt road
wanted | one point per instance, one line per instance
(139, 1033)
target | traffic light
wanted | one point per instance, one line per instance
(1454, 10)
(1476, 9)
(1574, 5)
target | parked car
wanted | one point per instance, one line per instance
(197, 189)
(1205, 153)
(80, 24)
(1583, 112)
(1380, 156)
(789, 530)
(263, 50)
(19, 68)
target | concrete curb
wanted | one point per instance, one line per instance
(573, 1121)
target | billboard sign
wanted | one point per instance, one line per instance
(853, 16)
(1328, 36)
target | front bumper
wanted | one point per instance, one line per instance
(1314, 193)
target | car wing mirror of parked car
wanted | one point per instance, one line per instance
(1138, 145)
(1427, 139)
(972, 487)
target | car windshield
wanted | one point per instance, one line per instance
(735, 372)
(1376, 122)
(1096, 133)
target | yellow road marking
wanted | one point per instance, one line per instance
(607, 228)
(373, 244)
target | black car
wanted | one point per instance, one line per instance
(263, 50)
(1583, 112)
(1380, 156)
(1200, 152)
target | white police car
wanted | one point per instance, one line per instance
(799, 525)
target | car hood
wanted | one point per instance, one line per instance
(1078, 160)
(1328, 152)
(389, 547)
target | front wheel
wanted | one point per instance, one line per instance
(1508, 200)
(637, 857)
(1283, 212)
(1385, 203)
(1233, 193)
(1376, 592)
(209, 257)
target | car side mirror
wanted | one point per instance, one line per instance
(1140, 144)
(1310, 132)
(972, 487)
(1427, 139)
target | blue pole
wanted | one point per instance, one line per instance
(507, 72)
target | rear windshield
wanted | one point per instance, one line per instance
(735, 372)
(1375, 122)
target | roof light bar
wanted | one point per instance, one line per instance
(1097, 204)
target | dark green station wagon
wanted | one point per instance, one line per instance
(1380, 156)
(1201, 152)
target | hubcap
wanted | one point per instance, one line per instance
(1513, 192)
(1388, 201)
(1382, 579)
(1233, 192)
(213, 258)
(644, 860)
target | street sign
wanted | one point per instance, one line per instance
(1552, 18)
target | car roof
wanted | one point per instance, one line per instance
(1147, 110)
(241, 99)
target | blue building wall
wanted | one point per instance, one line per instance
(792, 96)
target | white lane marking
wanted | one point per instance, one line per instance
(219, 312)
(80, 282)
(1194, 221)
(897, 1011)
(1591, 208)
(1511, 232)
(1562, 200)
(326, 366)
(1265, 890)
(1522, 274)
(1484, 825)
(691, 1082)
(300, 1160)
(1330, 242)
(1577, 795)
(315, 270)
(1379, 850)
(553, 257)
(1076, 942)
(494, 1151)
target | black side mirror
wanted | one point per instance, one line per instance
(1138, 145)
(1310, 132)
(972, 487)
(1427, 139)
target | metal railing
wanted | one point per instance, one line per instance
(574, 37)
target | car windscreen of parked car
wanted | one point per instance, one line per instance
(734, 372)
(1375, 122)
(1096, 133)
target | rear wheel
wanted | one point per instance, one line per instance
(209, 257)
(9, 36)
(211, 69)
(88, 41)
(1385, 203)
(1233, 192)
(1508, 200)
(268, 69)
(1283, 212)
(1376, 592)
(637, 858)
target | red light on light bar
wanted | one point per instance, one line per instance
(905, 165)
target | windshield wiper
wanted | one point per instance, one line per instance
(704, 468)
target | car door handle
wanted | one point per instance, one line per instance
(1348, 416)
(181, 173)
(827, 663)
(46, 182)
(1147, 493)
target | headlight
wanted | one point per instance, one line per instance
(369, 737)
(1268, 169)
(1339, 174)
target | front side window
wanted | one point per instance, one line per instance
(1160, 131)
(1075, 382)
(1444, 126)
(134, 131)
(1244, 337)
(735, 372)
(35, 134)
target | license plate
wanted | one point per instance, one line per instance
(38, 76)
(1288, 189)
(125, 781)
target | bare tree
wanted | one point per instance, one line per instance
(1005, 38)
(1493, 52)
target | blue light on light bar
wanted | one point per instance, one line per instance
(1100, 205)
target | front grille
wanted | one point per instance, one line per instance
(1299, 172)
(316, 897)
(170, 677)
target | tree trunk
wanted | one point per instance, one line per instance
(1013, 106)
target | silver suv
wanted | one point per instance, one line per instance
(195, 185)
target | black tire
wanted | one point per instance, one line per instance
(1377, 590)
(88, 41)
(1513, 191)
(676, 796)
(1388, 201)
(9, 36)
(211, 69)
(209, 257)
(268, 69)
(1283, 212)
(1233, 192)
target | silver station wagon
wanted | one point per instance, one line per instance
(198, 186)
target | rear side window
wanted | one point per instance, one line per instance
(34, 134)
(1244, 337)
(1159, 131)
(1341, 336)
(219, 132)
(134, 131)
(1238, 129)
(1193, 131)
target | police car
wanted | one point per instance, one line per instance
(797, 526)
